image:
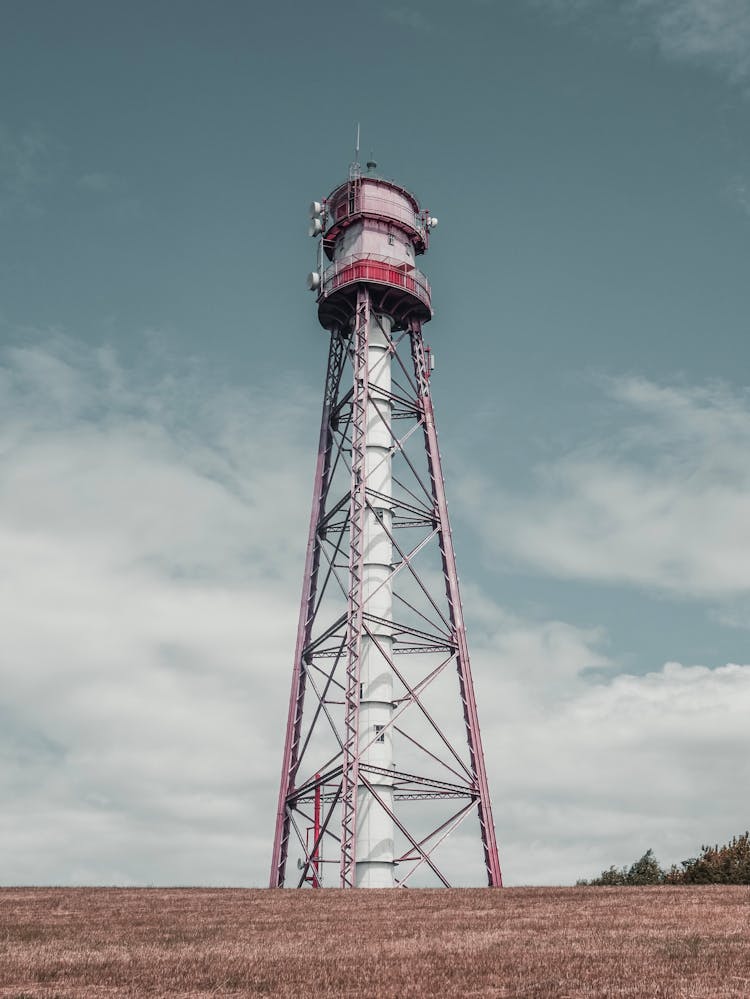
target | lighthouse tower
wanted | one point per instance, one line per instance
(383, 756)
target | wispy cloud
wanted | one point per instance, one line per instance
(739, 193)
(662, 502)
(25, 168)
(407, 17)
(111, 193)
(714, 33)
(33, 163)
(98, 183)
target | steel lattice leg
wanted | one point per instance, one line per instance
(489, 843)
(336, 361)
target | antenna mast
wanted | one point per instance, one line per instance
(355, 170)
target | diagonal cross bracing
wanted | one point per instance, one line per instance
(346, 622)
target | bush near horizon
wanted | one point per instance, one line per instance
(716, 865)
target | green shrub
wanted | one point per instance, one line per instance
(724, 865)
(721, 865)
(645, 871)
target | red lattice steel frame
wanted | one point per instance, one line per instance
(290, 765)
(450, 573)
(334, 618)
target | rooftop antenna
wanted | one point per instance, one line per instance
(355, 170)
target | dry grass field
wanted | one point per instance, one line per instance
(519, 942)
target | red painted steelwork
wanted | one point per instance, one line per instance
(347, 205)
(306, 615)
(471, 718)
(396, 289)
(313, 876)
(370, 270)
(438, 740)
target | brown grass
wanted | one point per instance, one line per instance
(518, 942)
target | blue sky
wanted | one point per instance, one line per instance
(161, 371)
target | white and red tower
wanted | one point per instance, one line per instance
(383, 755)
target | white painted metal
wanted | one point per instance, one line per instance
(375, 829)
(378, 238)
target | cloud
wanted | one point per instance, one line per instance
(591, 766)
(112, 195)
(407, 17)
(153, 523)
(739, 193)
(98, 183)
(659, 501)
(714, 33)
(33, 163)
(149, 579)
(25, 168)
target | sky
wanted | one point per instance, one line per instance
(161, 372)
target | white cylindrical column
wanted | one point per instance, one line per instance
(375, 828)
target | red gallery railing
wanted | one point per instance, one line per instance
(377, 270)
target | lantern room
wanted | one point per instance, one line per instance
(372, 231)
